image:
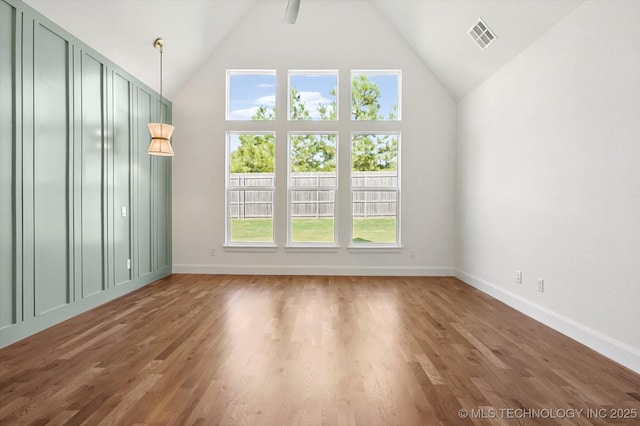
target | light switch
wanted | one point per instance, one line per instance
(123, 211)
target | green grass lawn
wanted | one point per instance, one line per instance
(254, 230)
(315, 230)
(375, 229)
(378, 229)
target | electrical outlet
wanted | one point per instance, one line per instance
(128, 263)
(413, 253)
(123, 211)
(212, 252)
(518, 277)
(540, 285)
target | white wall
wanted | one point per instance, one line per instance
(329, 35)
(548, 177)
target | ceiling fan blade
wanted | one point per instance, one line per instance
(292, 11)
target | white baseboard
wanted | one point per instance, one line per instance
(405, 271)
(607, 346)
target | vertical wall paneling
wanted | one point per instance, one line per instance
(7, 147)
(162, 200)
(122, 136)
(143, 211)
(85, 212)
(19, 133)
(91, 149)
(51, 170)
(107, 179)
(162, 211)
(26, 186)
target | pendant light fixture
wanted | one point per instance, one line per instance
(160, 132)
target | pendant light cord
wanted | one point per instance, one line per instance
(161, 87)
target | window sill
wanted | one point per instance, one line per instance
(375, 248)
(312, 249)
(250, 248)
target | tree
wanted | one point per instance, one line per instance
(371, 152)
(264, 113)
(298, 108)
(374, 153)
(315, 153)
(365, 100)
(312, 153)
(365, 96)
(256, 153)
(329, 112)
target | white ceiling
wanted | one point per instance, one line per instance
(124, 30)
(437, 31)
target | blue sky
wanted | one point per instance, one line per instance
(314, 90)
(388, 84)
(248, 91)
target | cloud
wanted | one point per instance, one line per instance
(312, 100)
(246, 113)
(243, 113)
(269, 100)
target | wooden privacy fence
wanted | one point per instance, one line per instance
(313, 194)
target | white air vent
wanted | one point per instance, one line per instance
(482, 34)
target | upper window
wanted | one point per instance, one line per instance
(251, 95)
(375, 95)
(313, 95)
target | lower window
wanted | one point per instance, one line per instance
(250, 188)
(375, 188)
(312, 188)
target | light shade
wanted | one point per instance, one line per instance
(160, 139)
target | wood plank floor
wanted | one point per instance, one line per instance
(206, 350)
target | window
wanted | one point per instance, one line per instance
(313, 183)
(375, 188)
(305, 120)
(375, 95)
(250, 187)
(251, 95)
(313, 95)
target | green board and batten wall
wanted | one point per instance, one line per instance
(85, 212)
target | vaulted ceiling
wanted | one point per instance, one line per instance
(124, 30)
